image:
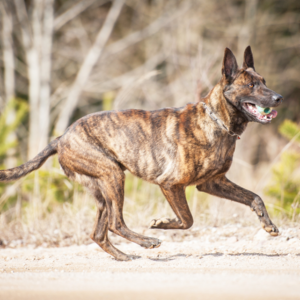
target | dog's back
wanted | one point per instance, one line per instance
(170, 144)
(144, 142)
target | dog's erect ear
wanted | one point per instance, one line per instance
(230, 66)
(248, 59)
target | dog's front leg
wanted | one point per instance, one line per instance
(177, 200)
(224, 188)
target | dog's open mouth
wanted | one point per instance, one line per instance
(253, 110)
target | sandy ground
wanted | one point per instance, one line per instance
(221, 263)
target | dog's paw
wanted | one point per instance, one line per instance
(270, 228)
(165, 223)
(265, 221)
(151, 243)
(158, 223)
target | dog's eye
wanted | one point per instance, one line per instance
(251, 85)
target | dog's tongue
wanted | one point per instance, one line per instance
(273, 113)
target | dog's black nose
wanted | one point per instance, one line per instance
(278, 98)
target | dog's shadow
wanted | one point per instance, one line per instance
(217, 254)
(168, 258)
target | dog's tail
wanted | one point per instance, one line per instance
(33, 164)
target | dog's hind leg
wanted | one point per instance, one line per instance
(224, 188)
(100, 231)
(177, 200)
(112, 188)
(96, 171)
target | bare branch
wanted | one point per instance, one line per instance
(153, 28)
(87, 66)
(24, 23)
(127, 78)
(74, 11)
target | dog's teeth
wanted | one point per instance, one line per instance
(253, 109)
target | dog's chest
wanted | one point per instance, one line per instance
(206, 162)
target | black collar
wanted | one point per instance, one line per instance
(218, 121)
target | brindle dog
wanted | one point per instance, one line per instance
(170, 147)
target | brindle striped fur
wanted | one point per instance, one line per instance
(170, 147)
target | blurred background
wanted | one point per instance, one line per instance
(63, 59)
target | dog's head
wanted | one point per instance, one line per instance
(246, 89)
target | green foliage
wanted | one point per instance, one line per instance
(107, 101)
(20, 109)
(285, 187)
(290, 130)
(12, 116)
(50, 184)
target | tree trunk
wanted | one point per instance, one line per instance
(45, 65)
(9, 77)
(37, 42)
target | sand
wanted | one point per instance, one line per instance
(221, 263)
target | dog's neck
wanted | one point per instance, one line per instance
(232, 118)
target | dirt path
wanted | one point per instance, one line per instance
(247, 267)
